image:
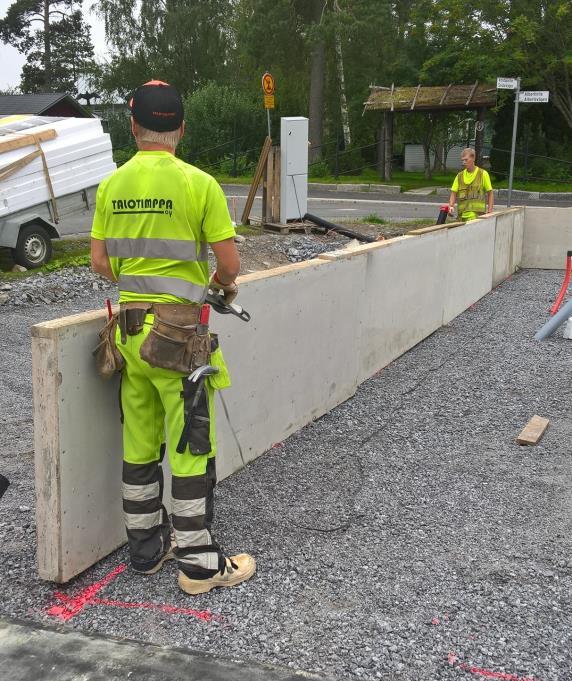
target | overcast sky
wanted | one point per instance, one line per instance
(11, 60)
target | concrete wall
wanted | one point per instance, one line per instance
(318, 329)
(547, 237)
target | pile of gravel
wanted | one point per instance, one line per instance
(66, 284)
(452, 557)
(306, 248)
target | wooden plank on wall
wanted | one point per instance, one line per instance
(533, 431)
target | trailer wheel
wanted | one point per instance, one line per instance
(34, 247)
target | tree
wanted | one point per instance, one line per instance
(184, 43)
(35, 28)
(72, 57)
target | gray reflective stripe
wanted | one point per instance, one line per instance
(140, 492)
(209, 561)
(142, 521)
(173, 285)
(164, 249)
(194, 538)
(189, 507)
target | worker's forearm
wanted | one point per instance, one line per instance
(490, 203)
(226, 274)
(103, 268)
(452, 199)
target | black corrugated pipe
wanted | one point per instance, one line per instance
(330, 226)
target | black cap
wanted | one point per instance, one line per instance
(157, 106)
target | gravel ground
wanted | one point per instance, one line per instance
(452, 555)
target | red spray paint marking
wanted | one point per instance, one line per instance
(75, 605)
(204, 615)
(486, 673)
(71, 606)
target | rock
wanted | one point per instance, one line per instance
(23, 509)
(239, 239)
(19, 268)
(6, 287)
(4, 298)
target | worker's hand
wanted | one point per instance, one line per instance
(230, 291)
(451, 209)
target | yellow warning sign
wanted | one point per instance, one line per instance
(268, 84)
(268, 101)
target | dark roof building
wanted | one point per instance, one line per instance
(44, 104)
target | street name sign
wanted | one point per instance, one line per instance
(533, 96)
(506, 83)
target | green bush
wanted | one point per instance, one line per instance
(350, 162)
(221, 120)
(121, 156)
(244, 165)
(319, 169)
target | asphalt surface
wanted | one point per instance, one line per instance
(331, 206)
(403, 536)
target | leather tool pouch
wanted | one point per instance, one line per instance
(176, 341)
(108, 359)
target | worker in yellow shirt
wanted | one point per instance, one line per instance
(472, 188)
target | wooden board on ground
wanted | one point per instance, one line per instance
(533, 431)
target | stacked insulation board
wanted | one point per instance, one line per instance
(78, 156)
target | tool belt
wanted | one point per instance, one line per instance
(176, 341)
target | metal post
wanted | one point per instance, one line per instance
(513, 148)
(268, 118)
(234, 149)
(337, 156)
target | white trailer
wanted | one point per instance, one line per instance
(50, 168)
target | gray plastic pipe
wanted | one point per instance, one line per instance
(554, 322)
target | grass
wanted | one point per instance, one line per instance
(415, 180)
(66, 253)
(374, 219)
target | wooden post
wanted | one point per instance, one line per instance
(381, 150)
(256, 181)
(480, 135)
(276, 196)
(388, 126)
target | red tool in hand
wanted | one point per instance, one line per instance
(109, 310)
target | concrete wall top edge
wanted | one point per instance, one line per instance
(279, 271)
(346, 253)
(52, 328)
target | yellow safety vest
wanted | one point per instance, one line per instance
(471, 197)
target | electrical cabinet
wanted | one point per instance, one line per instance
(293, 168)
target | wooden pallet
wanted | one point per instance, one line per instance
(289, 228)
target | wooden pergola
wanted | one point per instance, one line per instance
(428, 99)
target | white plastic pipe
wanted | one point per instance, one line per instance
(554, 322)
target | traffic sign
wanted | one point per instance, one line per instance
(534, 96)
(268, 101)
(506, 83)
(268, 85)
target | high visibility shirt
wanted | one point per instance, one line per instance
(156, 214)
(471, 189)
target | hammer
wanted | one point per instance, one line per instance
(197, 377)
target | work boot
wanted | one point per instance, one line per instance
(236, 569)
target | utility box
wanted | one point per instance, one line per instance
(293, 168)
